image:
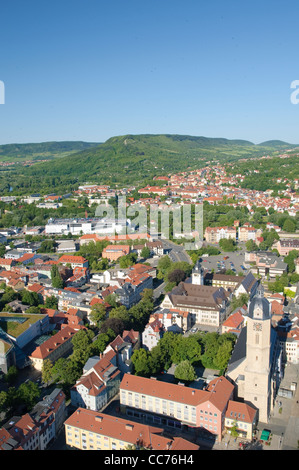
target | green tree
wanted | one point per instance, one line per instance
(51, 302)
(57, 281)
(239, 301)
(122, 313)
(186, 348)
(47, 371)
(141, 360)
(28, 394)
(98, 314)
(185, 371)
(145, 252)
(289, 226)
(11, 375)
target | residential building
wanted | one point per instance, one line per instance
(130, 291)
(97, 385)
(241, 417)
(114, 252)
(91, 430)
(74, 261)
(235, 322)
(247, 233)
(176, 405)
(173, 320)
(215, 234)
(37, 429)
(285, 245)
(7, 263)
(152, 333)
(56, 346)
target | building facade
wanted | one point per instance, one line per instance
(176, 405)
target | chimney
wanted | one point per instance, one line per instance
(99, 418)
(129, 426)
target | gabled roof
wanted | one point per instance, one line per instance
(240, 411)
(218, 392)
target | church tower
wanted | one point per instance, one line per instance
(257, 389)
(197, 274)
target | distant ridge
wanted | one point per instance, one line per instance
(278, 144)
(131, 160)
(42, 149)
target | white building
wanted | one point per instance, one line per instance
(98, 384)
(87, 226)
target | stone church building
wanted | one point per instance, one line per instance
(255, 365)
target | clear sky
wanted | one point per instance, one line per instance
(89, 70)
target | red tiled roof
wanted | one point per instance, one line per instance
(42, 351)
(71, 259)
(221, 388)
(240, 411)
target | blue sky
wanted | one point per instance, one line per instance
(89, 70)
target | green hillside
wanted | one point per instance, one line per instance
(44, 150)
(279, 144)
(129, 159)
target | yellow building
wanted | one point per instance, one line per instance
(241, 418)
(91, 430)
(53, 348)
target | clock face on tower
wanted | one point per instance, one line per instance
(257, 326)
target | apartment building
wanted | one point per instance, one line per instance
(173, 320)
(174, 405)
(215, 234)
(35, 430)
(129, 293)
(53, 348)
(74, 261)
(98, 384)
(284, 246)
(114, 252)
(91, 430)
(152, 333)
(247, 233)
(241, 417)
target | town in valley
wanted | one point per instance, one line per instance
(114, 337)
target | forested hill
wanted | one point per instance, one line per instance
(43, 150)
(130, 159)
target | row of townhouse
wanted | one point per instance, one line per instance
(242, 234)
(37, 429)
(215, 234)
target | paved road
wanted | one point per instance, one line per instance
(159, 290)
(176, 252)
(284, 420)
